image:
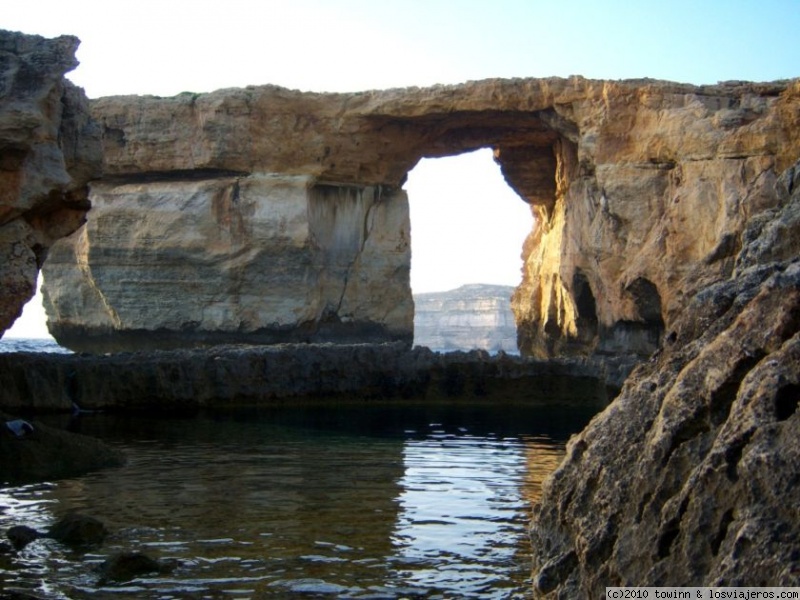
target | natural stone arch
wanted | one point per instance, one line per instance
(629, 181)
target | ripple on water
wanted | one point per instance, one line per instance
(254, 508)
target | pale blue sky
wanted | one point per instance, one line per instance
(168, 46)
(467, 226)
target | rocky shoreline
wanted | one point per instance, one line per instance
(230, 376)
(692, 475)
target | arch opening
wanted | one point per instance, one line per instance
(32, 323)
(468, 227)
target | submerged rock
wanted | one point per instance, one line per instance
(22, 535)
(78, 530)
(691, 477)
(125, 566)
(47, 453)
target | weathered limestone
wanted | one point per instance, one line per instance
(641, 191)
(266, 258)
(49, 150)
(474, 316)
(692, 475)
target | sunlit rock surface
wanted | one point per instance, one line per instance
(691, 477)
(49, 150)
(641, 190)
(475, 316)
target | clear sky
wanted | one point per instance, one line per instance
(467, 226)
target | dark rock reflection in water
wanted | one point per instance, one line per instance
(351, 501)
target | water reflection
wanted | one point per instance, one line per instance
(358, 502)
(464, 514)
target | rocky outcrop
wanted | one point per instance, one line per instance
(49, 150)
(253, 376)
(38, 452)
(268, 214)
(692, 475)
(474, 316)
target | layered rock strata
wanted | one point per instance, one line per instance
(691, 477)
(280, 215)
(474, 316)
(49, 150)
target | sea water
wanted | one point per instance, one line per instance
(31, 345)
(353, 500)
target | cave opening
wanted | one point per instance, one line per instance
(468, 227)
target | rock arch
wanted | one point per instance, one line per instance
(630, 181)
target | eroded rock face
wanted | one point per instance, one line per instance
(692, 475)
(49, 150)
(641, 191)
(474, 316)
(261, 258)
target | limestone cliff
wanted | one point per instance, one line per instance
(692, 475)
(49, 150)
(274, 214)
(475, 316)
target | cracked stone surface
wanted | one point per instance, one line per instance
(692, 475)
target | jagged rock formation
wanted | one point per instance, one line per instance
(692, 475)
(474, 316)
(268, 214)
(49, 150)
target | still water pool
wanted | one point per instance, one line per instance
(348, 501)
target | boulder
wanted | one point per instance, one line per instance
(77, 530)
(45, 453)
(124, 566)
(22, 535)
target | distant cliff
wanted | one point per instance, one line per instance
(475, 316)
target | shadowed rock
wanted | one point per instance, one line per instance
(22, 535)
(125, 566)
(47, 453)
(78, 530)
(691, 477)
